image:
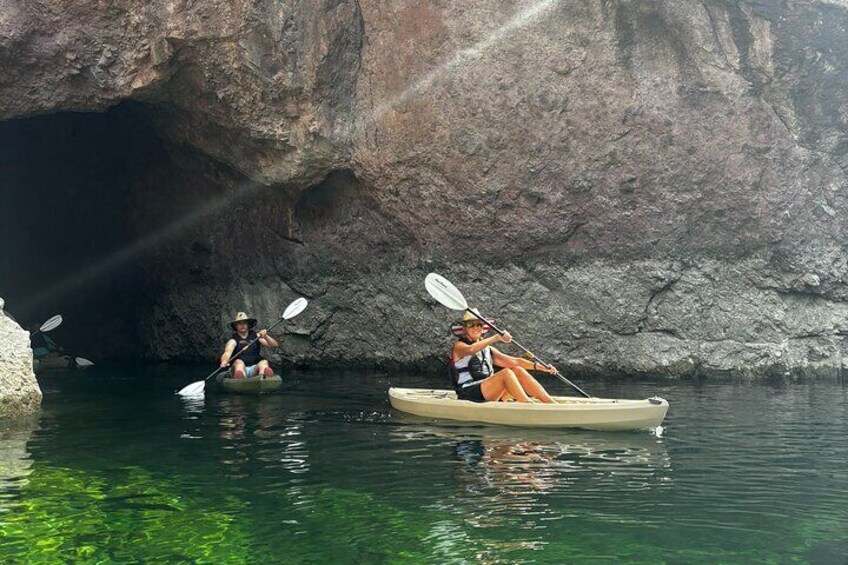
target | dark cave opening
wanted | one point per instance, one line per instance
(66, 187)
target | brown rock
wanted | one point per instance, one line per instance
(643, 186)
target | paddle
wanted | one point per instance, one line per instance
(49, 325)
(195, 389)
(448, 295)
(83, 362)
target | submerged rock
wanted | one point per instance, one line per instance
(19, 391)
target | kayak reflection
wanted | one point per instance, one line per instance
(260, 433)
(502, 460)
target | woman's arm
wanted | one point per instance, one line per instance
(461, 349)
(510, 362)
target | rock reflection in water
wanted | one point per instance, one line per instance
(15, 457)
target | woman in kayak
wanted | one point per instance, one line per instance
(250, 363)
(473, 361)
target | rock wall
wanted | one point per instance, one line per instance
(633, 186)
(19, 391)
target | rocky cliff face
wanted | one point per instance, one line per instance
(19, 391)
(633, 186)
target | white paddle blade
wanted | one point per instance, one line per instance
(83, 362)
(295, 308)
(194, 389)
(51, 324)
(444, 292)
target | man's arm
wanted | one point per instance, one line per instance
(228, 352)
(266, 339)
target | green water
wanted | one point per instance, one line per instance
(118, 469)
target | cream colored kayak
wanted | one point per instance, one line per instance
(570, 412)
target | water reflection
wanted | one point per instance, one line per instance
(15, 457)
(568, 451)
(504, 472)
(260, 433)
(525, 485)
(193, 406)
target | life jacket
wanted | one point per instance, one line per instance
(253, 354)
(472, 368)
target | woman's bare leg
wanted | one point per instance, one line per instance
(532, 386)
(505, 379)
(505, 396)
(263, 369)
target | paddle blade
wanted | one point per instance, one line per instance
(444, 292)
(295, 308)
(194, 389)
(51, 324)
(83, 362)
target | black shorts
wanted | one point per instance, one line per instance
(472, 392)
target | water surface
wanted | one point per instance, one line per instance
(119, 469)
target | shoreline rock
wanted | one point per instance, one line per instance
(19, 391)
(650, 318)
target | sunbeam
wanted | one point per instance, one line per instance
(463, 57)
(172, 230)
(145, 243)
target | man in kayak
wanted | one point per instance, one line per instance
(473, 361)
(250, 363)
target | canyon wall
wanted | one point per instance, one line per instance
(632, 187)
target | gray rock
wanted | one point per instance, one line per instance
(19, 391)
(650, 187)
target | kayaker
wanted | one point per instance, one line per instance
(250, 363)
(42, 344)
(473, 362)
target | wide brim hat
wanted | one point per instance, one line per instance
(242, 317)
(458, 327)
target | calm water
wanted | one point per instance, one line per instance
(119, 469)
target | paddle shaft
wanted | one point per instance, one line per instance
(242, 350)
(527, 351)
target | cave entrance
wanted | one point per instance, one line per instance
(67, 183)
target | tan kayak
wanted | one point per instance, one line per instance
(253, 385)
(570, 412)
